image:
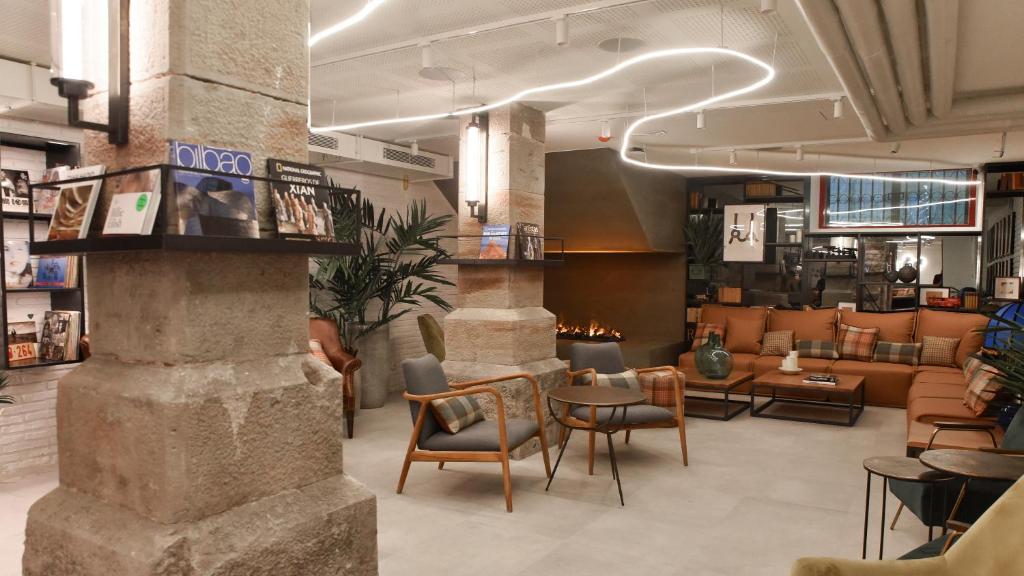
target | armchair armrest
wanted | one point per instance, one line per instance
(678, 388)
(952, 426)
(842, 567)
(572, 374)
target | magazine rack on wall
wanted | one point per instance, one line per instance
(545, 255)
(95, 242)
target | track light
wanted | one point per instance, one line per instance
(427, 56)
(606, 131)
(837, 108)
(732, 157)
(701, 121)
(562, 31)
(895, 149)
(415, 148)
(800, 153)
(1001, 150)
(769, 6)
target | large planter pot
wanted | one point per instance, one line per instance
(712, 359)
(374, 350)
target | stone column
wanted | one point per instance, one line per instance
(201, 438)
(500, 325)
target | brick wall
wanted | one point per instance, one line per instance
(28, 428)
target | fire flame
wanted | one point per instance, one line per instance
(591, 331)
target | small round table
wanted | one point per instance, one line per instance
(594, 397)
(973, 465)
(896, 468)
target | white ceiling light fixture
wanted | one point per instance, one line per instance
(800, 153)
(426, 56)
(895, 148)
(1001, 150)
(562, 31)
(769, 6)
(732, 157)
(606, 131)
(701, 121)
(356, 18)
(415, 148)
(837, 108)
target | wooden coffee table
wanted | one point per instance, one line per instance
(845, 390)
(724, 387)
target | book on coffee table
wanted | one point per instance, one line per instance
(826, 379)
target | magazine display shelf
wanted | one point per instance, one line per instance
(549, 258)
(95, 243)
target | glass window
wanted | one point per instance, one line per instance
(855, 203)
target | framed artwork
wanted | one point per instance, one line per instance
(1007, 288)
(743, 233)
(928, 293)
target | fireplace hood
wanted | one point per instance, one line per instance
(601, 205)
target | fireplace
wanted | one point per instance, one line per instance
(592, 331)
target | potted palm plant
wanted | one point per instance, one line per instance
(704, 235)
(394, 273)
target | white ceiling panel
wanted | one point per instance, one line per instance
(25, 31)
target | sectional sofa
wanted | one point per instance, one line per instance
(929, 393)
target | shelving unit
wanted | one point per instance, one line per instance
(549, 257)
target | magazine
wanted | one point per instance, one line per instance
(302, 207)
(59, 341)
(75, 205)
(529, 242)
(44, 199)
(134, 203)
(17, 264)
(212, 205)
(494, 242)
(14, 185)
(57, 272)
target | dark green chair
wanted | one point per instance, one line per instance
(981, 494)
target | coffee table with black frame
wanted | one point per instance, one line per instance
(846, 389)
(724, 386)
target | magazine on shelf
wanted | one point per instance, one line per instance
(17, 264)
(75, 205)
(44, 198)
(494, 242)
(134, 203)
(14, 188)
(208, 204)
(59, 341)
(302, 205)
(57, 272)
(529, 243)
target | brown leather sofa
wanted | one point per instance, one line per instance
(929, 393)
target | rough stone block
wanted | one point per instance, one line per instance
(500, 287)
(328, 527)
(177, 443)
(498, 336)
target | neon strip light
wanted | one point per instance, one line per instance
(356, 18)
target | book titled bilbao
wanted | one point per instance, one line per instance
(212, 204)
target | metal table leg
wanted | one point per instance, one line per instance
(867, 508)
(881, 533)
(560, 452)
(615, 468)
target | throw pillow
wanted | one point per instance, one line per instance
(704, 329)
(627, 379)
(897, 352)
(777, 343)
(457, 412)
(817, 349)
(982, 385)
(939, 351)
(856, 343)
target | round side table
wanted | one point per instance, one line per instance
(896, 468)
(972, 465)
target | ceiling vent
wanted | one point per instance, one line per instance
(360, 154)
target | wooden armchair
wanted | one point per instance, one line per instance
(326, 331)
(486, 441)
(606, 358)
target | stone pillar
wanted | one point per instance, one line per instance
(201, 438)
(500, 325)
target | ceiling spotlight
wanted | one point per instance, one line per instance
(415, 148)
(732, 157)
(606, 131)
(837, 108)
(427, 56)
(701, 121)
(769, 6)
(800, 152)
(562, 31)
(1001, 150)
(895, 149)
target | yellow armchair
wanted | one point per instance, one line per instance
(989, 548)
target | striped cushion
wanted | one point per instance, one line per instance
(627, 379)
(777, 343)
(856, 343)
(700, 336)
(817, 349)
(939, 351)
(897, 352)
(982, 385)
(316, 348)
(457, 412)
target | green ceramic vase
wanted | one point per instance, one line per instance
(712, 359)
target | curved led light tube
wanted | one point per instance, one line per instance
(356, 18)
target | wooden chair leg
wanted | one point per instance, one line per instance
(682, 441)
(591, 440)
(440, 465)
(897, 516)
(627, 436)
(507, 481)
(350, 422)
(405, 471)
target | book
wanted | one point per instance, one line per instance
(14, 190)
(494, 242)
(821, 379)
(17, 264)
(59, 341)
(302, 203)
(529, 243)
(208, 204)
(134, 203)
(22, 332)
(44, 198)
(75, 205)
(57, 272)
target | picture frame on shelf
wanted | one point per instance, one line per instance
(1006, 288)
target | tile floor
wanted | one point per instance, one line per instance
(758, 494)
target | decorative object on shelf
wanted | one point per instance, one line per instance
(388, 278)
(75, 205)
(890, 274)
(934, 296)
(907, 274)
(494, 241)
(212, 205)
(832, 253)
(730, 295)
(1007, 288)
(712, 359)
(743, 233)
(22, 341)
(970, 298)
(302, 201)
(702, 233)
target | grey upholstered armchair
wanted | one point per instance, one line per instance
(606, 358)
(483, 441)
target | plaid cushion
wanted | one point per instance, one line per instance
(700, 336)
(457, 412)
(817, 349)
(897, 352)
(627, 379)
(856, 343)
(657, 387)
(982, 385)
(777, 343)
(316, 348)
(938, 351)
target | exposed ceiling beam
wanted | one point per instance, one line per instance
(863, 24)
(941, 20)
(902, 23)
